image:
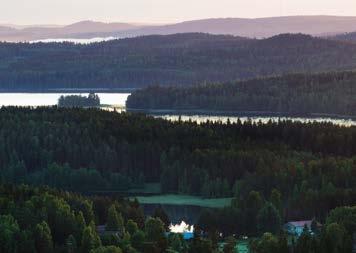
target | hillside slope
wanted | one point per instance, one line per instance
(302, 94)
(181, 59)
(256, 28)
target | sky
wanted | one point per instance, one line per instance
(28, 12)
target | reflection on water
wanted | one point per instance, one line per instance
(47, 99)
(265, 119)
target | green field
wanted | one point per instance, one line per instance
(185, 200)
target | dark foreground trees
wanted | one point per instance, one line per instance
(44, 220)
(276, 172)
(303, 169)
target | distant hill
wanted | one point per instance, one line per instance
(252, 28)
(84, 29)
(330, 93)
(5, 29)
(258, 28)
(180, 59)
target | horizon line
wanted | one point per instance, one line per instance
(138, 23)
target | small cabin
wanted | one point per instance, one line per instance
(297, 227)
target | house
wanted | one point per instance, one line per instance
(297, 227)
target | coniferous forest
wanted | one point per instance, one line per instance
(92, 100)
(330, 93)
(180, 59)
(274, 172)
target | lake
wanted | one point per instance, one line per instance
(47, 99)
(119, 99)
(257, 119)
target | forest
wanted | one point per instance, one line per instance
(330, 93)
(275, 172)
(348, 37)
(180, 59)
(44, 220)
(89, 149)
(92, 100)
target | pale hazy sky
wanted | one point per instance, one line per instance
(162, 11)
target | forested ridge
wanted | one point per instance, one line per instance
(275, 172)
(180, 59)
(88, 150)
(293, 94)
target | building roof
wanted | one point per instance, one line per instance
(301, 223)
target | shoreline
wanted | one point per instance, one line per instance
(177, 112)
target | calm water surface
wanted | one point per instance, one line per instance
(119, 99)
(43, 99)
(263, 120)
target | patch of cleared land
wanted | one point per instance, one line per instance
(184, 200)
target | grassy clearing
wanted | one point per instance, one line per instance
(185, 200)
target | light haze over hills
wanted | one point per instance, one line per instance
(253, 28)
(261, 27)
(83, 29)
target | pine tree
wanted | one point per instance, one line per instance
(131, 227)
(90, 240)
(43, 238)
(71, 244)
(115, 221)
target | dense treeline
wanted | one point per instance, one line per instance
(180, 59)
(43, 220)
(333, 236)
(92, 100)
(348, 37)
(326, 93)
(276, 172)
(313, 164)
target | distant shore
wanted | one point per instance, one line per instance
(238, 113)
